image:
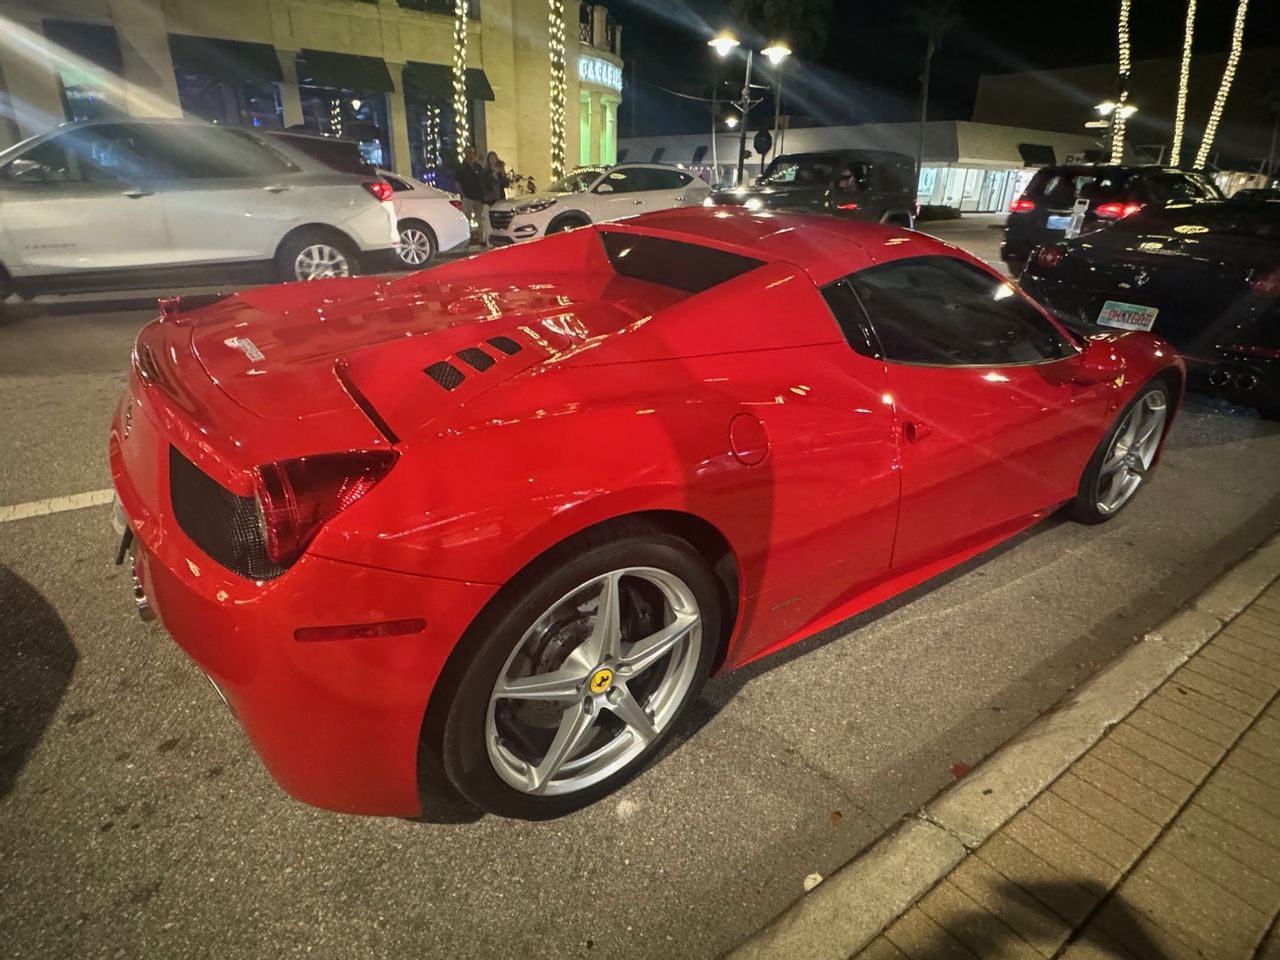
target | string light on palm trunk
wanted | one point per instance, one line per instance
(555, 46)
(1119, 116)
(1228, 75)
(461, 125)
(1184, 80)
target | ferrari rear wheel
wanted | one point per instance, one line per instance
(1124, 458)
(581, 681)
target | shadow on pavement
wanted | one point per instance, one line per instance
(1124, 932)
(37, 659)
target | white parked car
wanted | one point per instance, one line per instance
(113, 204)
(592, 195)
(429, 220)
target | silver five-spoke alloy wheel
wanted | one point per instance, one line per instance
(415, 246)
(1132, 452)
(320, 260)
(597, 678)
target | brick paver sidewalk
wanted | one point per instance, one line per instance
(1162, 841)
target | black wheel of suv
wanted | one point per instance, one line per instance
(577, 673)
(314, 253)
(566, 221)
(1124, 457)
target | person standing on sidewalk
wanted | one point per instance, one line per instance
(470, 176)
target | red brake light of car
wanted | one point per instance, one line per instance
(1266, 353)
(1048, 257)
(298, 497)
(1266, 284)
(847, 206)
(1116, 211)
(456, 204)
(380, 189)
(1022, 205)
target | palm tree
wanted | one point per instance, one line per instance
(931, 20)
(1224, 88)
(1184, 78)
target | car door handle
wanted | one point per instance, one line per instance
(133, 193)
(913, 431)
(276, 188)
(637, 202)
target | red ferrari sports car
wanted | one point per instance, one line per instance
(490, 527)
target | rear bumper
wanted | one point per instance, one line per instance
(336, 722)
(1250, 383)
(381, 261)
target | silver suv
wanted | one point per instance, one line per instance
(113, 204)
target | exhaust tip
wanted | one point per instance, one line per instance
(1246, 381)
(1219, 378)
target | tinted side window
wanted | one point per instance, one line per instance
(48, 162)
(624, 181)
(940, 310)
(847, 310)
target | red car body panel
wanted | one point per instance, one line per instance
(836, 480)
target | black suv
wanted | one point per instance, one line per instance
(1043, 213)
(860, 184)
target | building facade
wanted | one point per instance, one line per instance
(380, 72)
(974, 167)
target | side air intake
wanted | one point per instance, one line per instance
(506, 345)
(476, 358)
(445, 374)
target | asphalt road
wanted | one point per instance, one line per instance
(135, 820)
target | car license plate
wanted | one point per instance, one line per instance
(1059, 222)
(1127, 316)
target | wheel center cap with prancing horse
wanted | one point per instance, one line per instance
(601, 680)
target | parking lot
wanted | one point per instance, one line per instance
(135, 819)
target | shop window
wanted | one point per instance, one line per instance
(358, 115)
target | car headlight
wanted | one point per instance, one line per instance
(535, 206)
(754, 203)
(708, 202)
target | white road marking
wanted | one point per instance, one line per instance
(42, 508)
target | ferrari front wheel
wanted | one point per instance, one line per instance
(600, 651)
(1123, 460)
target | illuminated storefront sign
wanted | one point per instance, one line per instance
(600, 72)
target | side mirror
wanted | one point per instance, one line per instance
(604, 188)
(1096, 363)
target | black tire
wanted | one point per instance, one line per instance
(433, 245)
(566, 222)
(6, 284)
(454, 736)
(899, 220)
(1269, 411)
(293, 245)
(1084, 508)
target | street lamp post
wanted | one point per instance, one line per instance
(723, 44)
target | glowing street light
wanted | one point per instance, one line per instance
(723, 44)
(775, 53)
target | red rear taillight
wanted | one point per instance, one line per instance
(298, 497)
(847, 206)
(1266, 284)
(455, 203)
(1266, 353)
(1116, 211)
(1022, 205)
(380, 189)
(1048, 257)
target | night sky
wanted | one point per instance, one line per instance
(868, 69)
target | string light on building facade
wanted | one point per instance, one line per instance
(335, 117)
(1119, 116)
(461, 126)
(1228, 75)
(555, 45)
(1184, 81)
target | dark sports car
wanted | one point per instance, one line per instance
(1203, 275)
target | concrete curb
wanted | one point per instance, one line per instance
(846, 911)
